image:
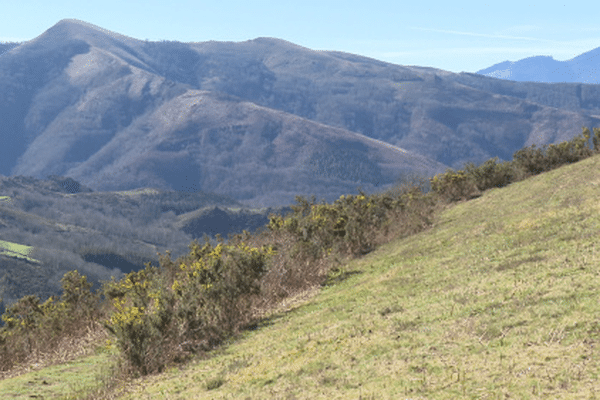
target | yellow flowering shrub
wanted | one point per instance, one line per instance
(32, 326)
(199, 298)
(347, 225)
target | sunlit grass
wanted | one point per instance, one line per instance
(11, 249)
(71, 380)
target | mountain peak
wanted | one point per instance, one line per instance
(71, 27)
(275, 42)
(77, 29)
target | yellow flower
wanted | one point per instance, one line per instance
(269, 250)
(198, 265)
(216, 253)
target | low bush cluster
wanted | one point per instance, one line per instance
(535, 160)
(472, 180)
(31, 327)
(163, 314)
(352, 224)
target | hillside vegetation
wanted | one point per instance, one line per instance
(498, 300)
(52, 226)
(492, 298)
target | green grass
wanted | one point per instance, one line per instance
(11, 249)
(71, 380)
(498, 300)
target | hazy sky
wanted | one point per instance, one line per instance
(454, 36)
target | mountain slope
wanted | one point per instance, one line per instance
(583, 68)
(99, 111)
(497, 299)
(425, 110)
(4, 47)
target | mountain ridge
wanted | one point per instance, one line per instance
(117, 113)
(582, 68)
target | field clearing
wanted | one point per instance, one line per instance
(11, 249)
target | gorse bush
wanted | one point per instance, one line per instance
(141, 319)
(491, 174)
(535, 160)
(214, 287)
(468, 183)
(160, 315)
(349, 225)
(455, 185)
(34, 327)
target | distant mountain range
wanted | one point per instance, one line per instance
(584, 68)
(260, 121)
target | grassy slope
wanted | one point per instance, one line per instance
(61, 381)
(498, 300)
(11, 249)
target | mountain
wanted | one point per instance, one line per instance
(4, 47)
(260, 121)
(98, 109)
(583, 68)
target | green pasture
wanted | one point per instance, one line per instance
(71, 380)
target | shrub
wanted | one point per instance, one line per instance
(31, 327)
(534, 160)
(455, 185)
(347, 226)
(491, 174)
(141, 319)
(158, 320)
(595, 138)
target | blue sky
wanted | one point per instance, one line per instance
(454, 36)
